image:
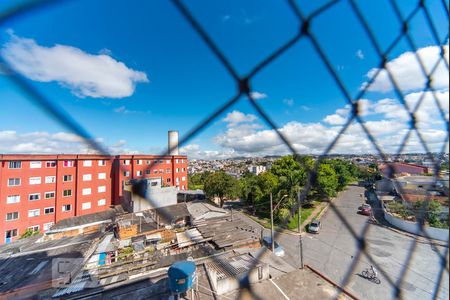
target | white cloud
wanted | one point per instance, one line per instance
(123, 110)
(385, 119)
(339, 117)
(258, 95)
(288, 101)
(86, 75)
(235, 117)
(44, 142)
(408, 74)
(360, 54)
(335, 119)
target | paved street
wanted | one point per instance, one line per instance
(334, 250)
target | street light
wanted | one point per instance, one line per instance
(300, 228)
(271, 218)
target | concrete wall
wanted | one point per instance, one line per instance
(159, 197)
(412, 227)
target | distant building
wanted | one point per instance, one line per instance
(402, 169)
(257, 169)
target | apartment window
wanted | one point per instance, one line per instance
(102, 163)
(50, 179)
(15, 165)
(87, 163)
(177, 160)
(35, 228)
(161, 171)
(102, 189)
(49, 210)
(68, 163)
(182, 161)
(11, 233)
(35, 164)
(147, 171)
(34, 213)
(35, 180)
(86, 191)
(168, 161)
(101, 175)
(183, 169)
(13, 181)
(139, 162)
(138, 173)
(50, 164)
(161, 161)
(155, 161)
(67, 207)
(168, 171)
(49, 195)
(47, 226)
(177, 170)
(87, 177)
(12, 216)
(101, 202)
(67, 178)
(183, 178)
(12, 199)
(168, 180)
(67, 193)
(126, 162)
(126, 173)
(34, 197)
(177, 180)
(183, 188)
(148, 162)
(86, 205)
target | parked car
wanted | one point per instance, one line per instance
(278, 250)
(365, 209)
(314, 226)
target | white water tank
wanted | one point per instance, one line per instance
(173, 142)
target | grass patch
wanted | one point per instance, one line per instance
(306, 212)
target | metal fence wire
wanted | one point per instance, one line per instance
(244, 91)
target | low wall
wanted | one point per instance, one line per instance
(412, 227)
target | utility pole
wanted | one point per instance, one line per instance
(300, 229)
(271, 224)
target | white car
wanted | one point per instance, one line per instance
(278, 250)
(314, 227)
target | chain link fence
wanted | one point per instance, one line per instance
(244, 91)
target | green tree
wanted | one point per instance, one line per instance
(221, 185)
(29, 232)
(292, 175)
(326, 181)
(343, 172)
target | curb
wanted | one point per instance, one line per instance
(326, 278)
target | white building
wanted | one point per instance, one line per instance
(257, 169)
(152, 195)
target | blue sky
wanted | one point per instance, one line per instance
(130, 72)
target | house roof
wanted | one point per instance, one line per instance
(171, 213)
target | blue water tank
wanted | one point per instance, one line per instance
(181, 276)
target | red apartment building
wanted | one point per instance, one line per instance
(37, 191)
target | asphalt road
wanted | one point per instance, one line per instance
(335, 250)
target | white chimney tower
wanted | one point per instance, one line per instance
(173, 142)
